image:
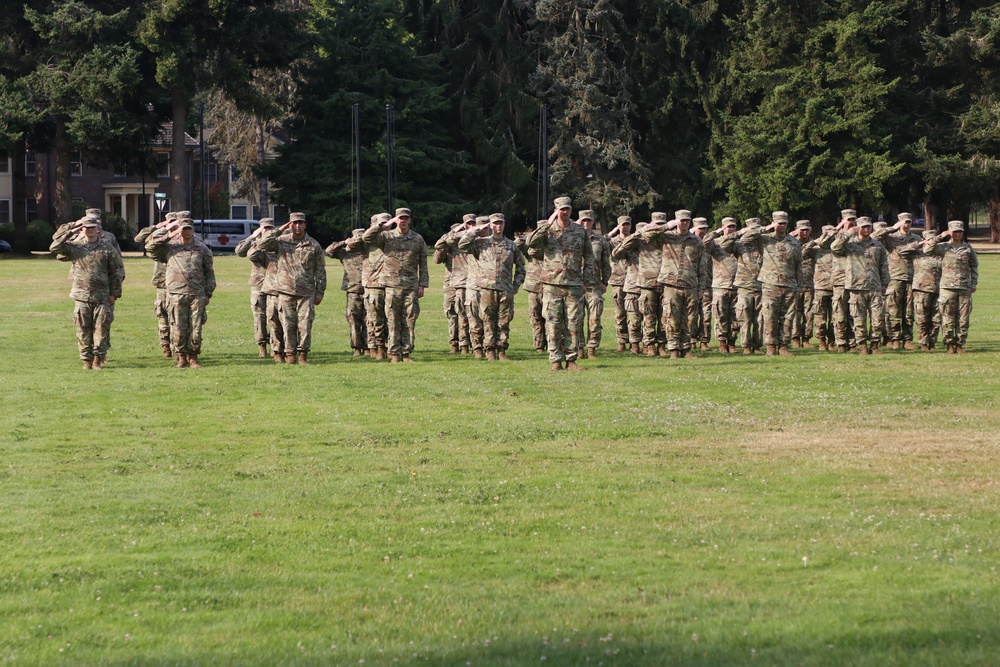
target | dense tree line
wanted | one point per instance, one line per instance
(729, 107)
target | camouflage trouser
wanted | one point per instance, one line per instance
(799, 319)
(724, 310)
(866, 311)
(536, 313)
(93, 328)
(451, 314)
(899, 310)
(402, 308)
(563, 311)
(680, 315)
(274, 323)
(187, 316)
(927, 317)
(634, 314)
(297, 314)
(956, 309)
(651, 307)
(704, 329)
(618, 297)
(748, 315)
(593, 304)
(258, 306)
(496, 308)
(843, 331)
(161, 307)
(822, 315)
(355, 313)
(775, 302)
(473, 306)
(463, 318)
(375, 316)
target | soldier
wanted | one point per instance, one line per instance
(533, 286)
(926, 284)
(352, 258)
(97, 273)
(959, 279)
(780, 277)
(268, 262)
(371, 274)
(189, 282)
(899, 296)
(818, 250)
(702, 331)
(723, 288)
(866, 275)
(593, 291)
(619, 269)
(748, 288)
(650, 302)
(258, 299)
(569, 264)
(681, 279)
(843, 325)
(404, 277)
(629, 253)
(300, 281)
(799, 319)
(106, 235)
(456, 273)
(499, 274)
(159, 281)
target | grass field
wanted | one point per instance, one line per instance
(819, 510)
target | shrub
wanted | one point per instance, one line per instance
(40, 235)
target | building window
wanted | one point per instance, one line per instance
(238, 212)
(211, 172)
(30, 209)
(4, 211)
(4, 163)
(76, 163)
(163, 165)
(234, 174)
(29, 165)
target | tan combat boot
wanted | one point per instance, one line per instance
(873, 349)
(464, 349)
(959, 349)
(407, 359)
(477, 353)
(784, 351)
(806, 344)
(674, 354)
(664, 352)
(771, 349)
(650, 350)
(556, 366)
(491, 355)
(358, 353)
(166, 351)
(863, 348)
(193, 361)
(502, 355)
(88, 364)
(573, 366)
(621, 347)
(592, 352)
(263, 351)
(454, 349)
(383, 352)
(99, 361)
(634, 348)
(182, 360)
(304, 358)
(581, 353)
(908, 345)
(394, 359)
(747, 350)
(290, 358)
(278, 357)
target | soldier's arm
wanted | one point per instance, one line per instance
(208, 268)
(467, 242)
(909, 250)
(269, 242)
(156, 244)
(883, 269)
(243, 247)
(424, 278)
(973, 268)
(519, 269)
(839, 245)
(654, 234)
(143, 234)
(116, 273)
(373, 236)
(336, 250)
(61, 245)
(540, 235)
(931, 247)
(319, 273)
(606, 263)
(589, 266)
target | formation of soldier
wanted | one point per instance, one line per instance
(858, 286)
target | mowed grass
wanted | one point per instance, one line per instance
(819, 510)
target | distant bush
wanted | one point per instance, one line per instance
(7, 233)
(40, 235)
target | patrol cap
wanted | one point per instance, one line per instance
(357, 232)
(672, 224)
(864, 221)
(375, 218)
(297, 217)
(172, 215)
(587, 215)
(90, 221)
(659, 217)
(929, 234)
(183, 214)
(904, 216)
(682, 214)
(401, 212)
(803, 224)
(700, 223)
(469, 217)
(383, 217)
(880, 224)
(496, 217)
(827, 229)
(641, 226)
(779, 216)
(484, 220)
(267, 222)
(956, 226)
(96, 212)
(624, 220)
(729, 222)
(849, 213)
(563, 202)
(752, 222)
(186, 222)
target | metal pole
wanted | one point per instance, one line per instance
(543, 161)
(359, 203)
(201, 175)
(390, 159)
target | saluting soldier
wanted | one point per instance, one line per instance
(456, 273)
(748, 287)
(619, 269)
(899, 295)
(352, 258)
(702, 331)
(724, 267)
(593, 291)
(819, 251)
(926, 285)
(799, 319)
(533, 286)
(371, 274)
(959, 279)
(258, 298)
(650, 301)
(866, 275)
(161, 306)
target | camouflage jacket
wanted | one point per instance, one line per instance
(257, 272)
(568, 255)
(159, 268)
(629, 255)
(681, 265)
(301, 265)
(648, 260)
(405, 262)
(748, 260)
(926, 268)
(601, 248)
(353, 261)
(959, 264)
(900, 268)
(808, 267)
(707, 269)
(619, 265)
(532, 265)
(190, 268)
(780, 258)
(98, 271)
(500, 263)
(865, 265)
(723, 264)
(443, 254)
(371, 265)
(837, 262)
(459, 260)
(822, 261)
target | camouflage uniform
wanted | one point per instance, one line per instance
(446, 252)
(818, 250)
(536, 313)
(680, 275)
(959, 279)
(371, 279)
(98, 273)
(352, 259)
(269, 288)
(568, 265)
(899, 295)
(866, 275)
(473, 304)
(593, 291)
(926, 286)
(650, 301)
(403, 272)
(704, 328)
(780, 276)
(300, 281)
(723, 291)
(258, 299)
(629, 256)
(160, 308)
(748, 288)
(619, 269)
(499, 275)
(189, 282)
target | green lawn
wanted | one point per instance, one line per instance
(820, 510)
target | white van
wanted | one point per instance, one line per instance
(224, 234)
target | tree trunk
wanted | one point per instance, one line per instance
(930, 216)
(18, 200)
(178, 157)
(995, 213)
(63, 196)
(263, 199)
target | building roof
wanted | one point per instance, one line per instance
(166, 137)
